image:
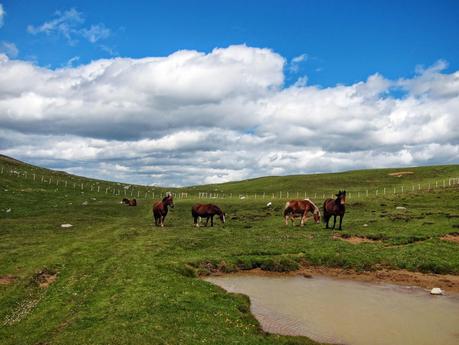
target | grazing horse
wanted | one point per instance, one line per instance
(301, 208)
(160, 209)
(128, 202)
(208, 211)
(335, 208)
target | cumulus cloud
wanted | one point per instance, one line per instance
(194, 117)
(69, 24)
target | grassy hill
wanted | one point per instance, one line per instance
(113, 278)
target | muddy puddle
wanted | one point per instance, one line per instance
(348, 312)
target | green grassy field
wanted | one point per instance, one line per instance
(120, 280)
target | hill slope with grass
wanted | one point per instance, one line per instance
(114, 278)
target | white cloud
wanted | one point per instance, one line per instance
(294, 65)
(193, 117)
(95, 33)
(69, 24)
(2, 15)
(9, 49)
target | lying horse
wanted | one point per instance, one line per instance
(160, 209)
(128, 202)
(301, 208)
(207, 211)
(335, 208)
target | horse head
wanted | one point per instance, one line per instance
(341, 197)
(316, 216)
(168, 200)
(222, 217)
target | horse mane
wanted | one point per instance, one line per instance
(316, 209)
(218, 210)
(168, 195)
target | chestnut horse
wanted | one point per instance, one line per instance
(301, 208)
(160, 209)
(128, 202)
(207, 211)
(335, 208)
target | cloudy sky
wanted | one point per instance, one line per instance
(182, 93)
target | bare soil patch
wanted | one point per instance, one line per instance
(45, 278)
(447, 282)
(355, 239)
(401, 173)
(452, 237)
(7, 280)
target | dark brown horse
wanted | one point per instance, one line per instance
(335, 208)
(207, 211)
(128, 202)
(160, 209)
(301, 208)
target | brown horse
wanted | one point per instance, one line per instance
(128, 202)
(335, 208)
(207, 211)
(301, 208)
(160, 209)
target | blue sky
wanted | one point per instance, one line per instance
(188, 92)
(345, 41)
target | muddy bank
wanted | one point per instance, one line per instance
(452, 237)
(447, 282)
(7, 280)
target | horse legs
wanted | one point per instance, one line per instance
(304, 218)
(340, 221)
(211, 220)
(207, 221)
(162, 221)
(196, 224)
(334, 221)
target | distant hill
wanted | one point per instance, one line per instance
(307, 184)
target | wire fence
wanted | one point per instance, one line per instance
(114, 189)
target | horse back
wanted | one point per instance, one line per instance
(297, 206)
(203, 209)
(158, 208)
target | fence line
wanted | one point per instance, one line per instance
(118, 189)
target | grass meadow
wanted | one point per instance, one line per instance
(117, 279)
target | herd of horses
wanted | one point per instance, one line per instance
(293, 209)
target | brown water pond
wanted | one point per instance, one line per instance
(348, 312)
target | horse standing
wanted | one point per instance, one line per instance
(160, 209)
(301, 208)
(207, 211)
(335, 208)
